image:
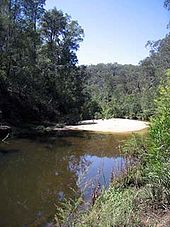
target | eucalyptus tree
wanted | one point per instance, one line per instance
(57, 58)
(33, 10)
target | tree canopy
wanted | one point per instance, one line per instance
(39, 79)
(127, 90)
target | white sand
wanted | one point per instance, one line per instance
(114, 125)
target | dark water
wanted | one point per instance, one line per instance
(36, 174)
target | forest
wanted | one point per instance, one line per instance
(128, 91)
(41, 81)
(39, 77)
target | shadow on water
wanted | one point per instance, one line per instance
(8, 151)
(34, 180)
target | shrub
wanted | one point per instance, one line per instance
(157, 170)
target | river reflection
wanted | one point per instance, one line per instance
(36, 174)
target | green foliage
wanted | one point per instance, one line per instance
(160, 126)
(39, 79)
(145, 183)
(129, 91)
(152, 153)
(114, 207)
(158, 159)
(136, 147)
(39, 73)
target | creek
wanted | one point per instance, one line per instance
(36, 174)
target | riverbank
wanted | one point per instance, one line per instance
(140, 196)
(114, 125)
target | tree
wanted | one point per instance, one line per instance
(32, 12)
(61, 37)
(39, 78)
(60, 41)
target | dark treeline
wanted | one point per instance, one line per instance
(40, 80)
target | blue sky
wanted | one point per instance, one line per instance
(115, 30)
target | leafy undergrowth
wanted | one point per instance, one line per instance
(115, 207)
(141, 195)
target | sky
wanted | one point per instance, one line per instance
(115, 30)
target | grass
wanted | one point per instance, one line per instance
(115, 207)
(141, 195)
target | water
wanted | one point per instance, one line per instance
(37, 174)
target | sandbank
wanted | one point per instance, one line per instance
(114, 125)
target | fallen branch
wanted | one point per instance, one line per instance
(6, 137)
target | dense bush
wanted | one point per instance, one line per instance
(129, 91)
(39, 79)
(158, 155)
(145, 184)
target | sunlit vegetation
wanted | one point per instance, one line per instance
(41, 82)
(143, 191)
(129, 91)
